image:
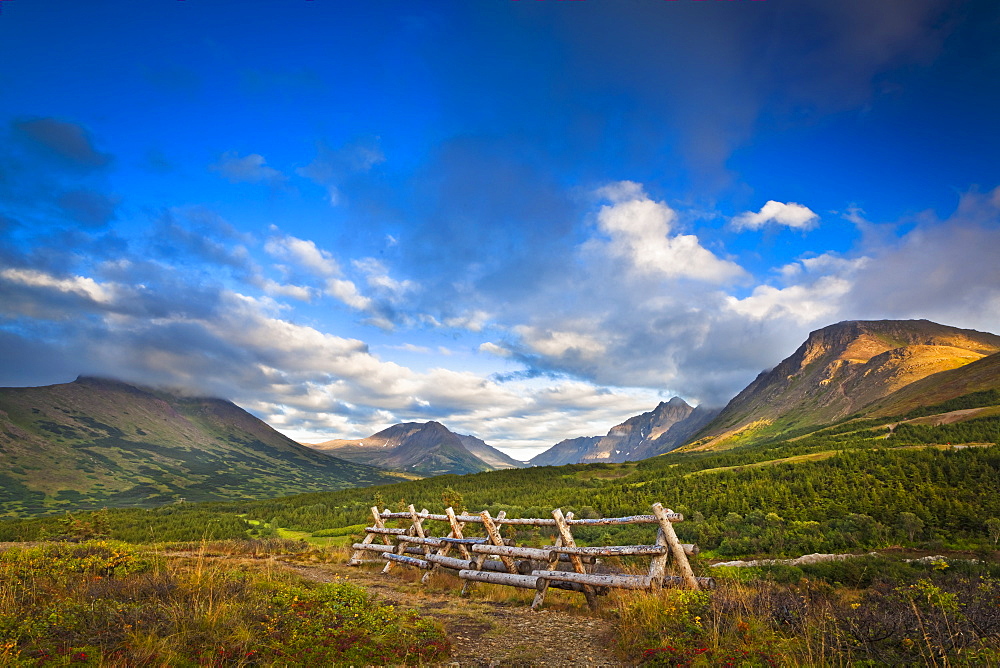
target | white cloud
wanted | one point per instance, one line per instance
(560, 343)
(78, 285)
(640, 234)
(299, 292)
(347, 292)
(411, 348)
(473, 321)
(304, 254)
(802, 303)
(491, 348)
(791, 215)
(377, 276)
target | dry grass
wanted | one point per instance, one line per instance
(110, 604)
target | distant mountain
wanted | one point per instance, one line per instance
(569, 451)
(489, 454)
(426, 448)
(846, 369)
(96, 442)
(647, 435)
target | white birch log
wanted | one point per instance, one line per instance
(676, 550)
(599, 580)
(376, 515)
(456, 532)
(614, 550)
(509, 579)
(386, 530)
(541, 554)
(496, 539)
(542, 521)
(451, 562)
(374, 547)
(422, 540)
(567, 541)
(408, 561)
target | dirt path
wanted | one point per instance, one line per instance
(484, 632)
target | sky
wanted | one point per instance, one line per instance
(526, 219)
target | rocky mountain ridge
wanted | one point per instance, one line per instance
(649, 434)
(841, 370)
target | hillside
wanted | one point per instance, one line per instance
(487, 453)
(649, 434)
(567, 451)
(841, 370)
(980, 376)
(94, 442)
(425, 448)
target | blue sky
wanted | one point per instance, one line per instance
(527, 220)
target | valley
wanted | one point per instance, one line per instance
(820, 457)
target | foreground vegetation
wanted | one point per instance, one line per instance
(103, 603)
(106, 603)
(866, 611)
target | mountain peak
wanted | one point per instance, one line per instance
(842, 368)
(427, 448)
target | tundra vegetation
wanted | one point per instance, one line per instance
(918, 490)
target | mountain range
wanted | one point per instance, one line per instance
(97, 442)
(660, 430)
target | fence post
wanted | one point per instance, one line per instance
(357, 555)
(567, 540)
(675, 547)
(494, 534)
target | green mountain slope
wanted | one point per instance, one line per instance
(981, 378)
(98, 442)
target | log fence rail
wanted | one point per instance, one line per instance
(496, 560)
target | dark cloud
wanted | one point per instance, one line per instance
(194, 235)
(33, 361)
(487, 215)
(332, 167)
(88, 207)
(251, 168)
(68, 141)
(706, 75)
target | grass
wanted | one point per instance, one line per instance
(102, 603)
(810, 457)
(860, 612)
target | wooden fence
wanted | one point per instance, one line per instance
(496, 560)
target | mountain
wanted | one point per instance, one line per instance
(97, 442)
(842, 370)
(489, 454)
(664, 428)
(568, 451)
(979, 379)
(426, 448)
